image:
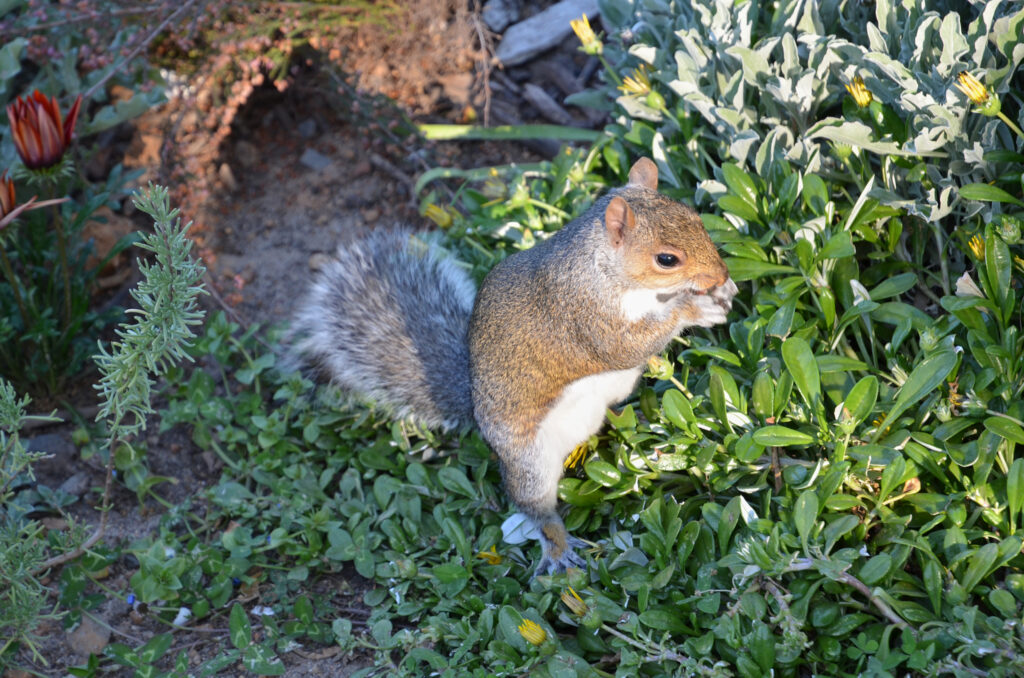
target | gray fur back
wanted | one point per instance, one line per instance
(387, 320)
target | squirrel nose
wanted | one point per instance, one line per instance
(705, 282)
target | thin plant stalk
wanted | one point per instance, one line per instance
(15, 287)
(62, 252)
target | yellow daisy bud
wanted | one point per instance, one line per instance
(532, 632)
(861, 95)
(590, 44)
(982, 97)
(491, 556)
(573, 601)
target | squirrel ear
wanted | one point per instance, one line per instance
(619, 220)
(644, 173)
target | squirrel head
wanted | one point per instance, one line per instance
(663, 244)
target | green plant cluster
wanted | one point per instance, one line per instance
(49, 320)
(157, 337)
(827, 485)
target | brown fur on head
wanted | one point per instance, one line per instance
(664, 244)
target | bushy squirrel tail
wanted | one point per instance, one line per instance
(387, 320)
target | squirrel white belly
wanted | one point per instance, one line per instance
(555, 335)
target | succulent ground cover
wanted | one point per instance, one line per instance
(826, 485)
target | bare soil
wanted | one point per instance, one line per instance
(262, 217)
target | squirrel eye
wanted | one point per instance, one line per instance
(666, 260)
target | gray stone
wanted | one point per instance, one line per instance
(76, 485)
(88, 637)
(542, 31)
(56, 444)
(307, 128)
(315, 160)
(498, 14)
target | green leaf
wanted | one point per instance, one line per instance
(839, 245)
(155, 648)
(1005, 428)
(980, 564)
(677, 409)
(663, 619)
(602, 473)
(740, 184)
(738, 206)
(890, 287)
(239, 628)
(1015, 487)
(875, 569)
(452, 578)
(805, 514)
(782, 319)
(781, 436)
(444, 132)
(742, 270)
(998, 267)
(925, 378)
(800, 362)
(988, 193)
(454, 479)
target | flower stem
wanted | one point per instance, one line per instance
(15, 287)
(1009, 123)
(62, 252)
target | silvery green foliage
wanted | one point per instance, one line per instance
(162, 330)
(766, 85)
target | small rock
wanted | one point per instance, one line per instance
(246, 154)
(543, 30)
(362, 168)
(498, 14)
(88, 637)
(547, 106)
(314, 160)
(105, 229)
(318, 260)
(456, 86)
(307, 128)
(371, 215)
(76, 485)
(227, 177)
(54, 524)
(50, 443)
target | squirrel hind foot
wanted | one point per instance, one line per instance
(558, 551)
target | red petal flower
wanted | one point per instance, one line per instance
(40, 136)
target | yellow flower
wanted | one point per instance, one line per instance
(985, 99)
(861, 94)
(442, 216)
(590, 44)
(972, 87)
(576, 456)
(532, 632)
(977, 245)
(491, 556)
(637, 86)
(494, 188)
(573, 601)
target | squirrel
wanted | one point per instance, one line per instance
(555, 335)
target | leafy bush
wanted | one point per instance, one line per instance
(157, 337)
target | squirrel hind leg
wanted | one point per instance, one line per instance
(533, 487)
